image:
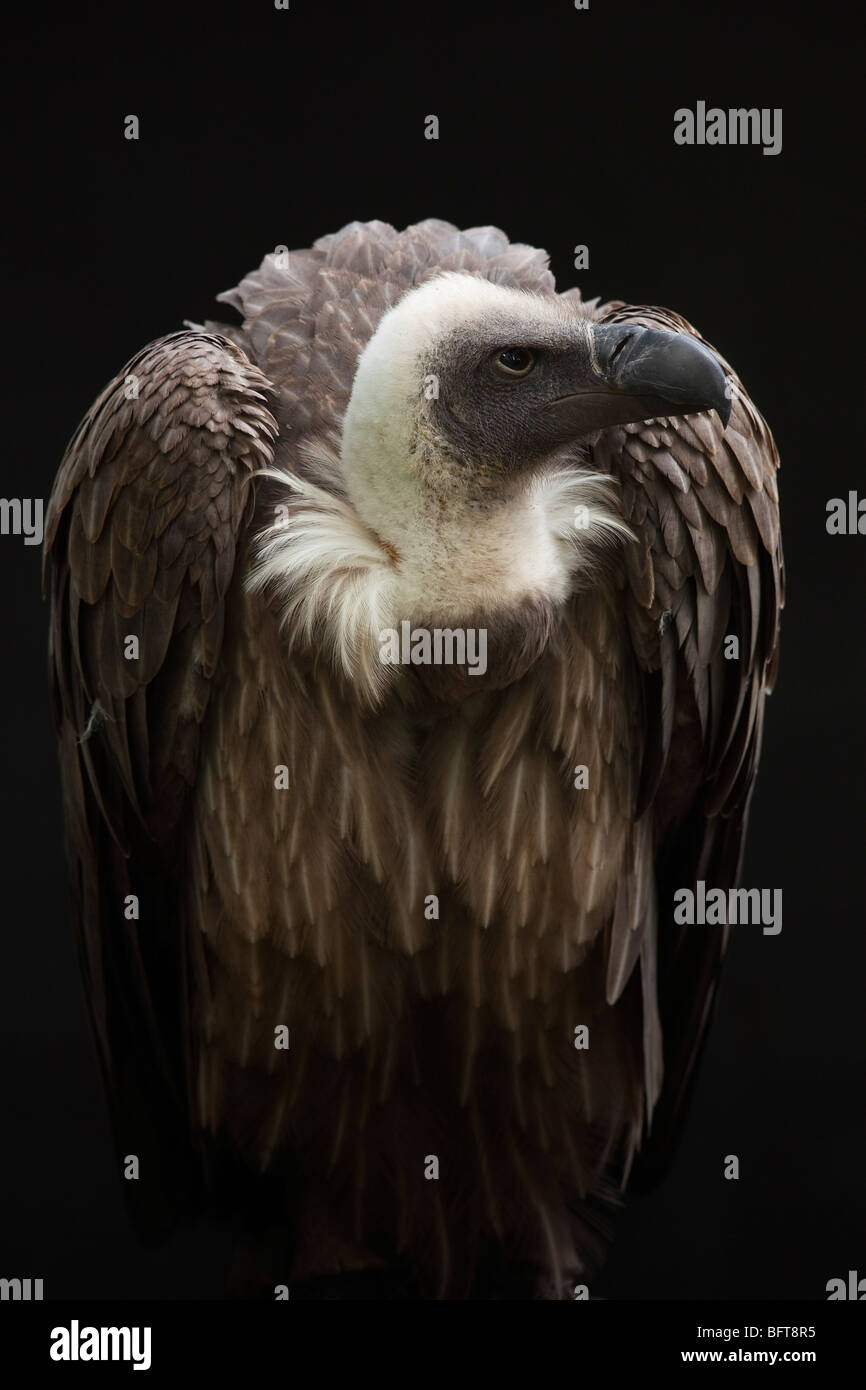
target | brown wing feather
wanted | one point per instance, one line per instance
(708, 563)
(141, 535)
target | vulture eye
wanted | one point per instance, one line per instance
(515, 361)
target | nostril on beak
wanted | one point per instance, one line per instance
(619, 347)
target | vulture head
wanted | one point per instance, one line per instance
(461, 451)
(468, 388)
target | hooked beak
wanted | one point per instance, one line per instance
(639, 374)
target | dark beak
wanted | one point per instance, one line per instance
(639, 374)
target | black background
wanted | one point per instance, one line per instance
(261, 127)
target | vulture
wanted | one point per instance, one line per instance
(409, 645)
